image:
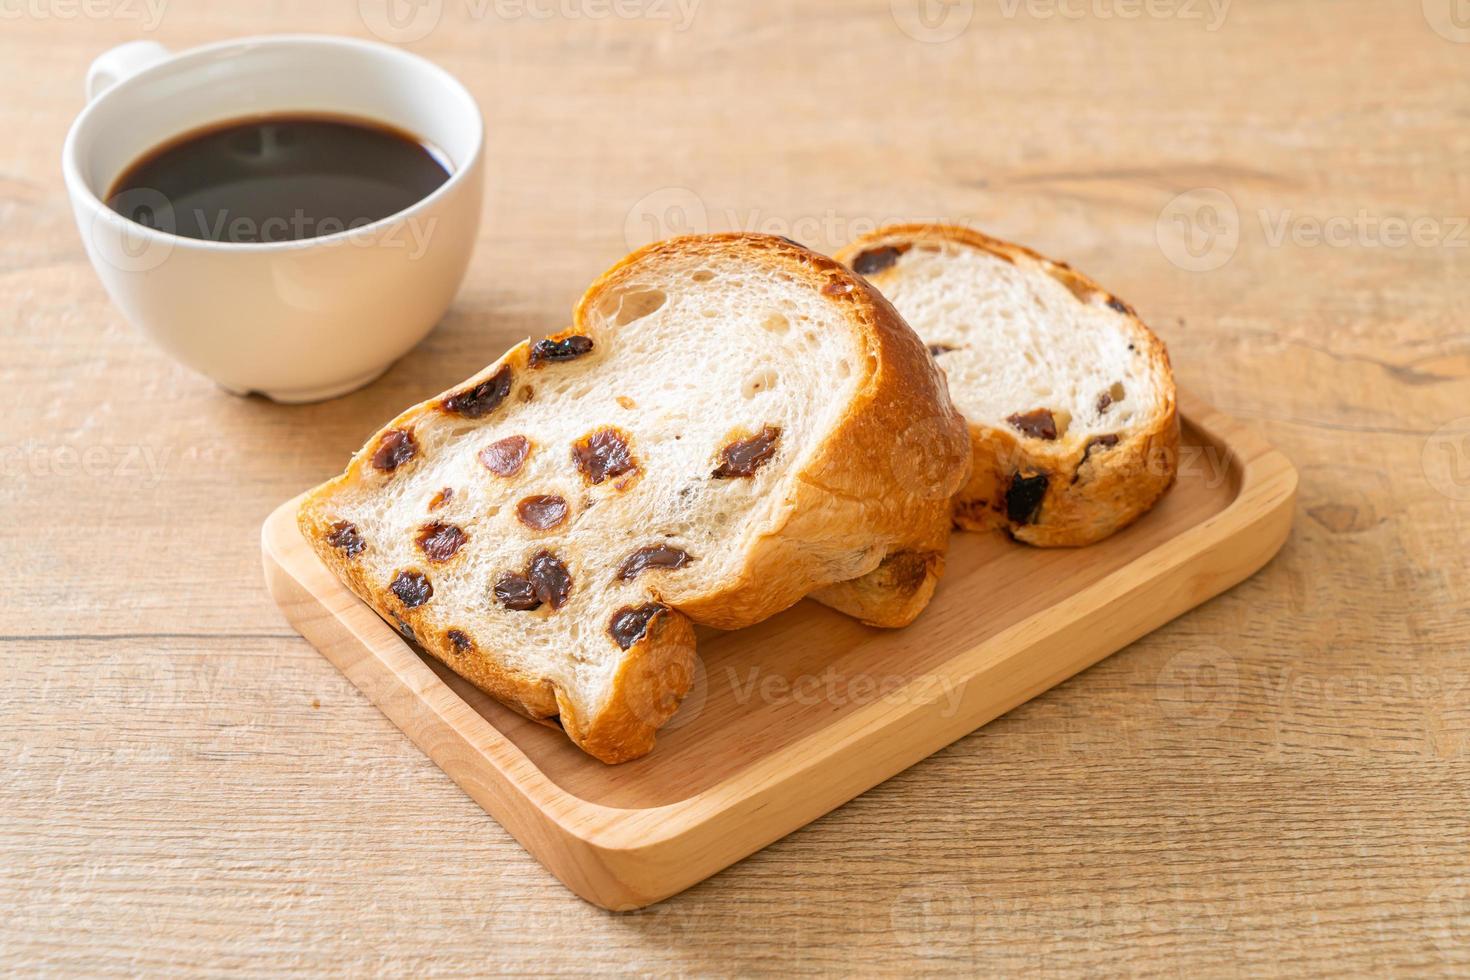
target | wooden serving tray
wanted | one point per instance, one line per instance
(799, 714)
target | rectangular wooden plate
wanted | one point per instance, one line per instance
(801, 713)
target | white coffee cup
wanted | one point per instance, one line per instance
(294, 320)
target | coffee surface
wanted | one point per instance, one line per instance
(277, 178)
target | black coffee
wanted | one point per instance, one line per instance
(277, 178)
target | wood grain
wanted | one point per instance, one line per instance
(1277, 782)
(794, 716)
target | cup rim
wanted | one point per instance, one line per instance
(81, 191)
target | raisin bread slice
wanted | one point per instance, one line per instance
(708, 442)
(1069, 397)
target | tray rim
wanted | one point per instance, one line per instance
(1265, 487)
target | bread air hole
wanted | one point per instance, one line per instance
(776, 323)
(757, 382)
(1116, 392)
(702, 275)
(622, 308)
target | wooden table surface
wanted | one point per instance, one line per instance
(1278, 781)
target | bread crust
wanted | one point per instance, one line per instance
(891, 595)
(1089, 495)
(839, 515)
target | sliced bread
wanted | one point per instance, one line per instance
(708, 442)
(1069, 397)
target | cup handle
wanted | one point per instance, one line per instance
(118, 63)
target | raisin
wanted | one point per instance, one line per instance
(936, 349)
(344, 535)
(515, 592)
(441, 498)
(603, 454)
(837, 288)
(542, 512)
(877, 259)
(461, 642)
(550, 579)
(1103, 401)
(412, 588)
(630, 623)
(1023, 497)
(505, 458)
(439, 541)
(652, 556)
(483, 398)
(550, 351)
(405, 629)
(395, 448)
(745, 456)
(1038, 424)
(1119, 305)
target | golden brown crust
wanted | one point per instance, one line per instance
(1089, 493)
(849, 506)
(653, 678)
(891, 595)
